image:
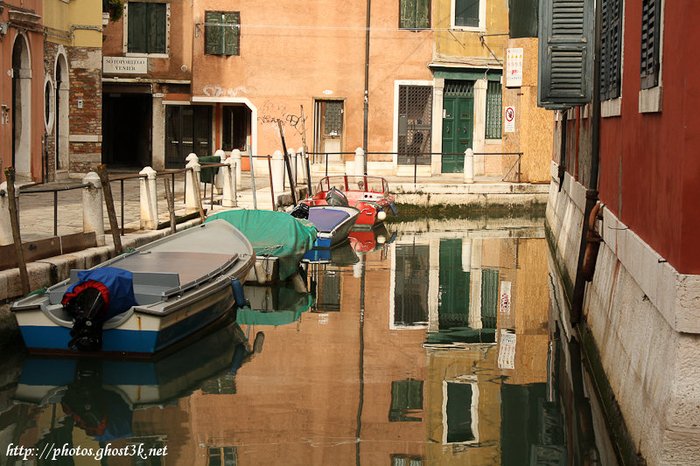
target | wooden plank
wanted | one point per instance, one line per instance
(14, 222)
(46, 247)
(78, 242)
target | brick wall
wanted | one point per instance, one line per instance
(86, 122)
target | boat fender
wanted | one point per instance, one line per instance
(381, 215)
(238, 294)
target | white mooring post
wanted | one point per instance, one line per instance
(219, 177)
(5, 225)
(93, 212)
(229, 178)
(301, 156)
(277, 173)
(469, 166)
(236, 156)
(149, 199)
(359, 161)
(192, 201)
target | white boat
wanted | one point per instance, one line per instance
(171, 289)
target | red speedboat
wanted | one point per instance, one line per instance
(368, 194)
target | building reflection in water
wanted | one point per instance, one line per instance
(446, 363)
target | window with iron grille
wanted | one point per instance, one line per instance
(651, 28)
(147, 27)
(611, 49)
(415, 124)
(493, 110)
(406, 400)
(223, 456)
(467, 13)
(414, 14)
(222, 33)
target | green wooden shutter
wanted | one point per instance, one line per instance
(422, 14)
(232, 33)
(467, 13)
(407, 14)
(651, 26)
(136, 40)
(566, 53)
(213, 33)
(156, 27)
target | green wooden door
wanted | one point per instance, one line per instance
(453, 300)
(457, 124)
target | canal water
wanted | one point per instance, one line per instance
(431, 342)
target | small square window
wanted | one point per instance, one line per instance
(222, 33)
(414, 14)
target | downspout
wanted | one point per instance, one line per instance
(366, 95)
(592, 188)
(562, 149)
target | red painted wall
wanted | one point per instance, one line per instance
(650, 163)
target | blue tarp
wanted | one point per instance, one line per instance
(119, 285)
(326, 220)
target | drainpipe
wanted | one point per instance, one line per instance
(592, 188)
(366, 105)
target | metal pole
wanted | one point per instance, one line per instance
(55, 213)
(292, 186)
(252, 182)
(365, 125)
(121, 195)
(272, 186)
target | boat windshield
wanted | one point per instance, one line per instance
(375, 184)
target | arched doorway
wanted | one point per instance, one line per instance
(62, 120)
(21, 107)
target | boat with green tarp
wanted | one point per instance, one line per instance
(273, 305)
(279, 241)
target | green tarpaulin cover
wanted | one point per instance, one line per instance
(273, 234)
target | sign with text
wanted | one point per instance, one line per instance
(124, 65)
(514, 67)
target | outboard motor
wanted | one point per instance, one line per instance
(99, 295)
(301, 211)
(335, 197)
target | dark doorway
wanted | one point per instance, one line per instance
(126, 129)
(187, 130)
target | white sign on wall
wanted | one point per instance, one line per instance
(514, 67)
(124, 65)
(509, 120)
(506, 350)
(504, 304)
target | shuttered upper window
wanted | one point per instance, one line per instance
(147, 27)
(222, 33)
(651, 27)
(611, 49)
(467, 13)
(414, 14)
(566, 38)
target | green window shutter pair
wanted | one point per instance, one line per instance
(147, 27)
(222, 33)
(566, 53)
(406, 400)
(493, 110)
(414, 14)
(467, 13)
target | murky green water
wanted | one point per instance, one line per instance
(431, 342)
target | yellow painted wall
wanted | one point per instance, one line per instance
(462, 44)
(79, 15)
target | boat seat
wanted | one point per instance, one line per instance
(149, 287)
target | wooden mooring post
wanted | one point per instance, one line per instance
(14, 223)
(111, 213)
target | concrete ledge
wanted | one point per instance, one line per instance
(675, 295)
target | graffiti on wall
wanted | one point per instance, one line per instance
(214, 90)
(271, 113)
